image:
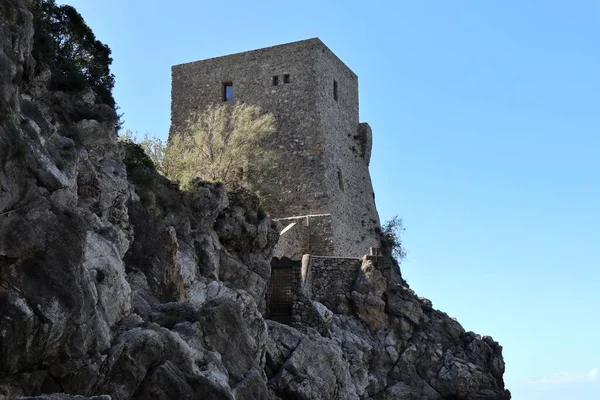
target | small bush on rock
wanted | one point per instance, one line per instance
(140, 168)
(391, 237)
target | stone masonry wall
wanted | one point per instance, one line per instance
(324, 168)
(293, 240)
(310, 234)
(329, 280)
(297, 187)
(348, 143)
(303, 311)
(326, 280)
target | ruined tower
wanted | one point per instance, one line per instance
(322, 188)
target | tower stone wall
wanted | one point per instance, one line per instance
(324, 151)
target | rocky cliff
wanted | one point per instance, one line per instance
(131, 289)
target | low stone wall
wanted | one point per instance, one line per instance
(329, 280)
(326, 280)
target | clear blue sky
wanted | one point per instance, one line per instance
(486, 118)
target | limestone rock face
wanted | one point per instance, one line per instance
(313, 367)
(367, 296)
(112, 289)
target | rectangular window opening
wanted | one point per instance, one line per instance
(227, 91)
(275, 80)
(335, 90)
(286, 78)
(340, 180)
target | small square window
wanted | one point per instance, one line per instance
(286, 78)
(275, 80)
(227, 91)
(335, 90)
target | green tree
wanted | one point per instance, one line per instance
(65, 43)
(224, 143)
(156, 150)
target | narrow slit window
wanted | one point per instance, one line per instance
(275, 80)
(227, 91)
(286, 78)
(335, 90)
(340, 179)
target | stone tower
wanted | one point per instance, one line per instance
(323, 191)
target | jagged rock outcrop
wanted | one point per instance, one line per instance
(130, 289)
(408, 351)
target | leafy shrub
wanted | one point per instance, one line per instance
(223, 143)
(140, 168)
(156, 149)
(64, 42)
(391, 237)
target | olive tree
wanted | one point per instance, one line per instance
(222, 143)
